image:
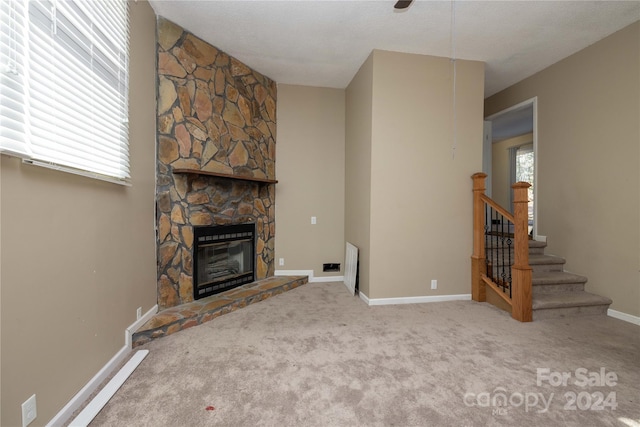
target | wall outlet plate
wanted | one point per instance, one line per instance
(281, 262)
(434, 284)
(29, 411)
(138, 313)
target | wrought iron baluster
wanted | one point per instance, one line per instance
(487, 221)
(509, 241)
(494, 254)
(503, 274)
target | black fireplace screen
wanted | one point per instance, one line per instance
(223, 258)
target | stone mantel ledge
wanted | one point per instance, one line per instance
(224, 175)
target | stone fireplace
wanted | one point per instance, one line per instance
(216, 135)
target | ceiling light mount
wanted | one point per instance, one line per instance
(402, 4)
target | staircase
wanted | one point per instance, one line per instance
(557, 293)
(532, 284)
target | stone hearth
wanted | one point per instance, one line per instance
(175, 319)
(216, 115)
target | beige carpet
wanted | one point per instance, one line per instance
(316, 356)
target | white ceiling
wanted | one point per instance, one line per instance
(323, 43)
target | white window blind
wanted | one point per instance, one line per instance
(64, 84)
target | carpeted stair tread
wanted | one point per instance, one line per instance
(555, 293)
(533, 244)
(535, 247)
(545, 259)
(556, 278)
(537, 244)
(568, 299)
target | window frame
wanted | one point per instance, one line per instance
(79, 123)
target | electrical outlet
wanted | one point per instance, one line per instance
(29, 411)
(434, 284)
(313, 220)
(139, 313)
(281, 262)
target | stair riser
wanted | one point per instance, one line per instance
(557, 313)
(558, 287)
(536, 268)
(492, 253)
(533, 250)
(546, 267)
(488, 252)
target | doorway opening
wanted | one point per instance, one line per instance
(510, 155)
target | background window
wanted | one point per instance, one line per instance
(64, 85)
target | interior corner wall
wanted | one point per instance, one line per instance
(501, 167)
(588, 159)
(78, 257)
(310, 171)
(422, 159)
(358, 128)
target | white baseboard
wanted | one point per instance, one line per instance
(328, 279)
(540, 238)
(294, 273)
(309, 273)
(128, 333)
(76, 401)
(414, 300)
(624, 316)
(364, 298)
(97, 403)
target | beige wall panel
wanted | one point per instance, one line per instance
(310, 172)
(588, 162)
(421, 210)
(358, 166)
(78, 258)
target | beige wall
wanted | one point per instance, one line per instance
(408, 199)
(421, 211)
(310, 173)
(358, 128)
(501, 168)
(78, 258)
(588, 162)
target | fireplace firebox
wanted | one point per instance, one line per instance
(223, 258)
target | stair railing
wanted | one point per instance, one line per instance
(506, 268)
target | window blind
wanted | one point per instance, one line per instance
(65, 84)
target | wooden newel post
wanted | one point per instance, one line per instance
(478, 261)
(521, 271)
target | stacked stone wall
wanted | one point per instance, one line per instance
(214, 114)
